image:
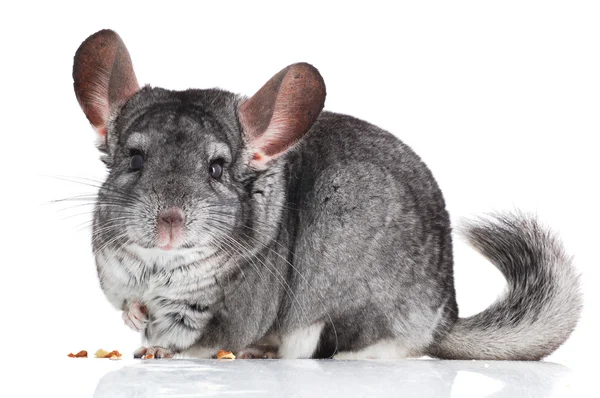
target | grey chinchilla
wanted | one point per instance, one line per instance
(231, 222)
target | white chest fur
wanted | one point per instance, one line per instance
(136, 273)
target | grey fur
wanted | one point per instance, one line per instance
(348, 230)
(542, 303)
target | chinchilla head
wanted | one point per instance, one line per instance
(189, 170)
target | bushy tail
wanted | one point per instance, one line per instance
(541, 306)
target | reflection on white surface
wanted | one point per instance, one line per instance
(309, 378)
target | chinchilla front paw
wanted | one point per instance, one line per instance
(136, 316)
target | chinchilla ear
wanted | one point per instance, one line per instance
(103, 76)
(281, 112)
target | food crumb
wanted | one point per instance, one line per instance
(113, 353)
(148, 356)
(101, 353)
(225, 355)
(80, 354)
(108, 355)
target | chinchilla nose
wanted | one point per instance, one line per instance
(171, 218)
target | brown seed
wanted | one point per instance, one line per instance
(225, 355)
(80, 354)
(113, 353)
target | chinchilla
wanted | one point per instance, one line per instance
(228, 222)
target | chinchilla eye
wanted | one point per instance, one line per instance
(136, 162)
(216, 169)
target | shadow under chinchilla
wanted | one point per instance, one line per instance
(309, 378)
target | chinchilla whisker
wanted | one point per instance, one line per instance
(254, 230)
(87, 213)
(78, 198)
(111, 241)
(90, 213)
(248, 287)
(219, 205)
(286, 285)
(281, 279)
(296, 271)
(85, 226)
(82, 228)
(231, 255)
(68, 217)
(127, 241)
(92, 199)
(82, 180)
(115, 205)
(282, 206)
(98, 234)
(250, 257)
(118, 247)
(234, 245)
(71, 177)
(76, 180)
(273, 271)
(232, 242)
(106, 186)
(114, 220)
(232, 217)
(262, 233)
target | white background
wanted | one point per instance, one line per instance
(500, 99)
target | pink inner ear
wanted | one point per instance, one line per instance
(283, 110)
(257, 157)
(103, 76)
